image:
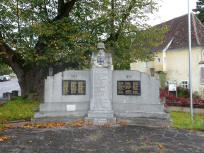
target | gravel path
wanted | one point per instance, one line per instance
(130, 139)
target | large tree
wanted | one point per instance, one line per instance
(200, 10)
(38, 34)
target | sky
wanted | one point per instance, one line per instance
(170, 9)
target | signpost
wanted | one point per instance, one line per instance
(172, 88)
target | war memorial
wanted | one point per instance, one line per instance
(103, 95)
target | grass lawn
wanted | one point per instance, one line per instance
(18, 109)
(182, 120)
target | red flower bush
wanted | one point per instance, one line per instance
(172, 100)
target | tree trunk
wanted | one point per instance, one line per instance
(32, 84)
(31, 77)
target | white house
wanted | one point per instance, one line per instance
(172, 56)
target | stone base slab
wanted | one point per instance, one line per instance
(100, 120)
(101, 117)
(146, 122)
(129, 114)
(56, 119)
(100, 114)
(60, 114)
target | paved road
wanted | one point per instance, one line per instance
(8, 86)
(129, 139)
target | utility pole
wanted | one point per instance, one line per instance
(190, 60)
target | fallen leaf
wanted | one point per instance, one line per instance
(123, 123)
(4, 138)
(160, 146)
(44, 125)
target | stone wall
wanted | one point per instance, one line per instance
(57, 104)
(145, 104)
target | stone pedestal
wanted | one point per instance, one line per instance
(101, 96)
(101, 110)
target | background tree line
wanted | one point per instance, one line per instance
(38, 34)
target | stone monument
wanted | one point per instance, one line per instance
(101, 95)
(101, 109)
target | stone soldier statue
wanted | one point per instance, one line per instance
(101, 59)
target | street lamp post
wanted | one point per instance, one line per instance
(190, 59)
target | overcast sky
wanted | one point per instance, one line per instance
(170, 9)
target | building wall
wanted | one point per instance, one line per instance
(177, 66)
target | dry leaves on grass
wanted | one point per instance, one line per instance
(43, 125)
(6, 127)
(77, 123)
(107, 125)
(4, 138)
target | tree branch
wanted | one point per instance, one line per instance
(64, 8)
(114, 36)
(10, 57)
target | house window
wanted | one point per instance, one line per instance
(158, 60)
(202, 75)
(184, 84)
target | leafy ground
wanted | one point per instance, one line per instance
(18, 109)
(182, 120)
(23, 109)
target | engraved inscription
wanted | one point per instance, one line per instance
(74, 75)
(101, 90)
(129, 88)
(74, 87)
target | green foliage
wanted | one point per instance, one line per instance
(5, 69)
(182, 120)
(162, 78)
(138, 45)
(182, 92)
(33, 30)
(18, 109)
(200, 10)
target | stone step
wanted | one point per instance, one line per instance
(147, 122)
(43, 114)
(136, 114)
(101, 120)
(100, 114)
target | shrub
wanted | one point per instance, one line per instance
(182, 92)
(196, 95)
(172, 100)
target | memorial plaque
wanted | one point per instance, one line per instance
(129, 88)
(70, 108)
(74, 87)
